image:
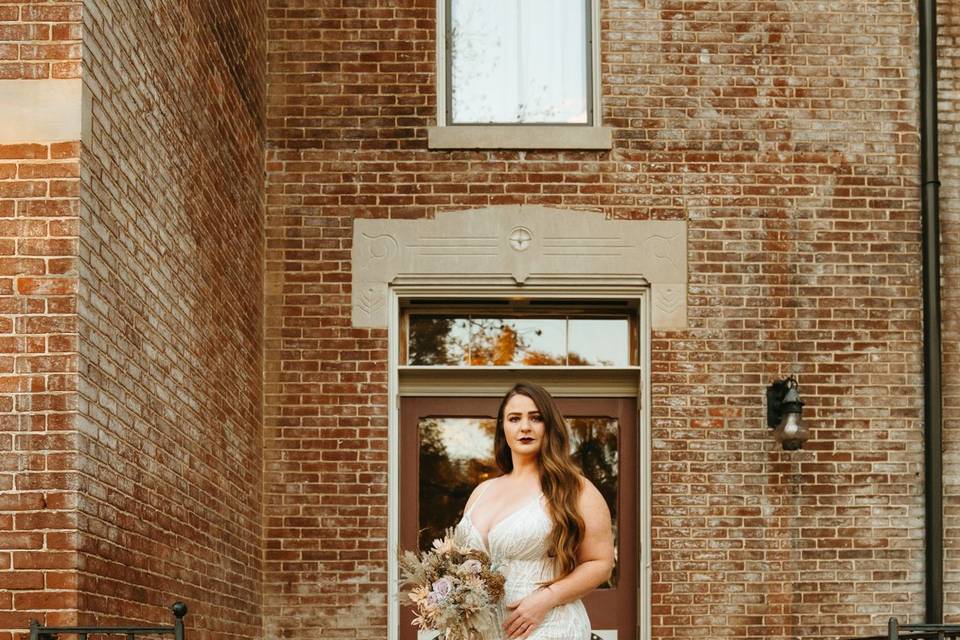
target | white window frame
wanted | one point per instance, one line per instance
(401, 293)
(519, 136)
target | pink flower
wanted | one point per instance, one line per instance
(442, 588)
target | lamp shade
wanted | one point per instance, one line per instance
(784, 410)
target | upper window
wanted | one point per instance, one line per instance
(518, 74)
(519, 62)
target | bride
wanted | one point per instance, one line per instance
(543, 524)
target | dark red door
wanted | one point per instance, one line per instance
(446, 449)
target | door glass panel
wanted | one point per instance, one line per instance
(595, 446)
(456, 454)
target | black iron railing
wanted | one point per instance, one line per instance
(38, 632)
(897, 631)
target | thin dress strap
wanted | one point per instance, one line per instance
(483, 490)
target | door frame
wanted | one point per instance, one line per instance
(607, 288)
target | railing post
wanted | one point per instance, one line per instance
(892, 629)
(179, 610)
(34, 630)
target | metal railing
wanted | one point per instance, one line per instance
(897, 631)
(179, 609)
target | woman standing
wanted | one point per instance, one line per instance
(543, 524)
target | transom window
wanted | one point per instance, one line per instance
(520, 335)
(548, 340)
(519, 62)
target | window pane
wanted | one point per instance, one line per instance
(521, 342)
(518, 61)
(438, 340)
(603, 343)
(456, 454)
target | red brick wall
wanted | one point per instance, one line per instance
(39, 184)
(38, 382)
(170, 268)
(949, 92)
(39, 40)
(786, 136)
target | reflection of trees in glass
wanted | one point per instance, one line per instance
(446, 482)
(496, 74)
(575, 359)
(498, 342)
(470, 51)
(430, 341)
(451, 341)
(595, 449)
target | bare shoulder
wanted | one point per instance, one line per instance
(477, 490)
(587, 488)
(591, 501)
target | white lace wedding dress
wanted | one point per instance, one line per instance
(517, 545)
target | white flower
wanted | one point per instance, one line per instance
(472, 566)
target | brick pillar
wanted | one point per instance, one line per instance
(131, 179)
(40, 117)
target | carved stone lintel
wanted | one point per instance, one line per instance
(519, 242)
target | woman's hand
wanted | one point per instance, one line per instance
(527, 613)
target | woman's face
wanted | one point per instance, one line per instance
(522, 426)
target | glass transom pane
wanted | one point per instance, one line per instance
(520, 342)
(518, 61)
(473, 341)
(604, 343)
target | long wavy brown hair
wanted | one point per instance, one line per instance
(559, 475)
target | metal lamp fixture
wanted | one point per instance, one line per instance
(783, 414)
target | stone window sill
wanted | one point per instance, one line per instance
(520, 137)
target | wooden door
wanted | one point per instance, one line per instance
(446, 449)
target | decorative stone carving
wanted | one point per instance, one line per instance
(668, 301)
(524, 243)
(520, 239)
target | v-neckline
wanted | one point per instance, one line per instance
(486, 542)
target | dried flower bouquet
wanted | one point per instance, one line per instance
(454, 588)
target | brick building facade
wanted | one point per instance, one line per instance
(189, 411)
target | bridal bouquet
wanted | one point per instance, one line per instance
(454, 588)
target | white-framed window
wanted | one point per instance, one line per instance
(518, 74)
(518, 62)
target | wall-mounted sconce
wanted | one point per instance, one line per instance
(783, 414)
